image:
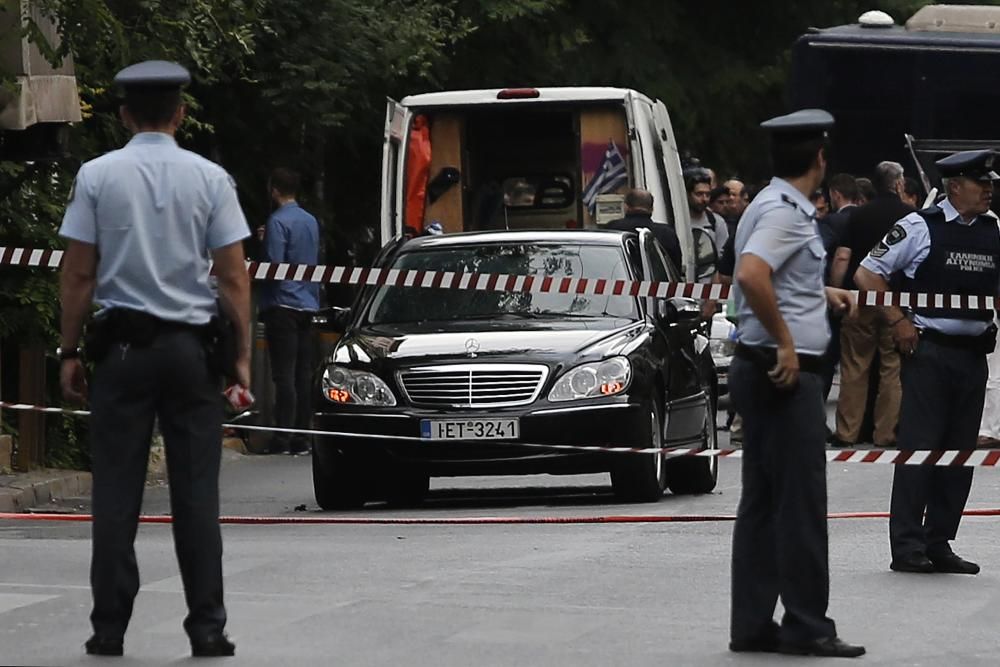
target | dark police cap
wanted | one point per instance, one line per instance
(802, 124)
(153, 74)
(977, 165)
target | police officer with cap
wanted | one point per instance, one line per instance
(142, 225)
(950, 248)
(776, 384)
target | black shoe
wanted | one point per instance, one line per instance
(953, 564)
(824, 647)
(98, 645)
(276, 448)
(298, 448)
(915, 562)
(755, 645)
(213, 646)
(834, 441)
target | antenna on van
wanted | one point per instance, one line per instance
(506, 220)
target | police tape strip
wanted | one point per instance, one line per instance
(502, 282)
(980, 458)
(326, 520)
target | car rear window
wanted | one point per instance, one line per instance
(563, 260)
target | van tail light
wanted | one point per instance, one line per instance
(518, 94)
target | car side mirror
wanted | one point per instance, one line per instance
(679, 309)
(335, 319)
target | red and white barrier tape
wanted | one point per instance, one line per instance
(326, 520)
(980, 458)
(502, 282)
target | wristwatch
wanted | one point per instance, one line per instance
(68, 353)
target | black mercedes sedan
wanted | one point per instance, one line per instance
(448, 382)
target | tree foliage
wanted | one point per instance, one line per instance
(303, 83)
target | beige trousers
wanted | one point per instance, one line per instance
(860, 337)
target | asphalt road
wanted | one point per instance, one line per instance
(548, 594)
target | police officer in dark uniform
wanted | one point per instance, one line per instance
(776, 384)
(951, 248)
(142, 225)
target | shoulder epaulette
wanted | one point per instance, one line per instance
(791, 202)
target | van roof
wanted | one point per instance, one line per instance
(545, 95)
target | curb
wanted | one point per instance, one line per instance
(42, 488)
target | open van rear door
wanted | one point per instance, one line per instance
(678, 193)
(397, 120)
(635, 151)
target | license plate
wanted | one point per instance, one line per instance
(470, 429)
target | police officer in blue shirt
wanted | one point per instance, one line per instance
(951, 248)
(287, 308)
(776, 384)
(142, 225)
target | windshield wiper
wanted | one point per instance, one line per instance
(521, 315)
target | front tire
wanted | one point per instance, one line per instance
(688, 475)
(641, 478)
(338, 479)
(407, 488)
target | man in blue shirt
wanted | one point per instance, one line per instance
(141, 226)
(287, 308)
(780, 536)
(950, 248)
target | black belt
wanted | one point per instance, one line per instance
(766, 358)
(984, 342)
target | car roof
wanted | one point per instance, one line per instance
(608, 237)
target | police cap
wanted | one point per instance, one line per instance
(804, 124)
(155, 74)
(977, 165)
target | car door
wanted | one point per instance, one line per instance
(675, 335)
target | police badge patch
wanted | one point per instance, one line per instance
(895, 235)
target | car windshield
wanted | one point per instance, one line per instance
(562, 260)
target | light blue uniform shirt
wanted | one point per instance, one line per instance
(780, 228)
(292, 236)
(155, 212)
(906, 254)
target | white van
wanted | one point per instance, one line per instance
(526, 158)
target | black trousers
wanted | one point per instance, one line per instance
(942, 406)
(290, 346)
(780, 535)
(168, 380)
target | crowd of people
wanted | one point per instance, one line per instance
(853, 214)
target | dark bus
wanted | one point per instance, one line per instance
(904, 93)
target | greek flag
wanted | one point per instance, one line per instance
(611, 175)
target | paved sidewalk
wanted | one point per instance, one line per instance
(22, 491)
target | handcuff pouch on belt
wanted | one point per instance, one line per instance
(137, 329)
(119, 326)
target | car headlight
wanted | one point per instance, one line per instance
(603, 378)
(343, 385)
